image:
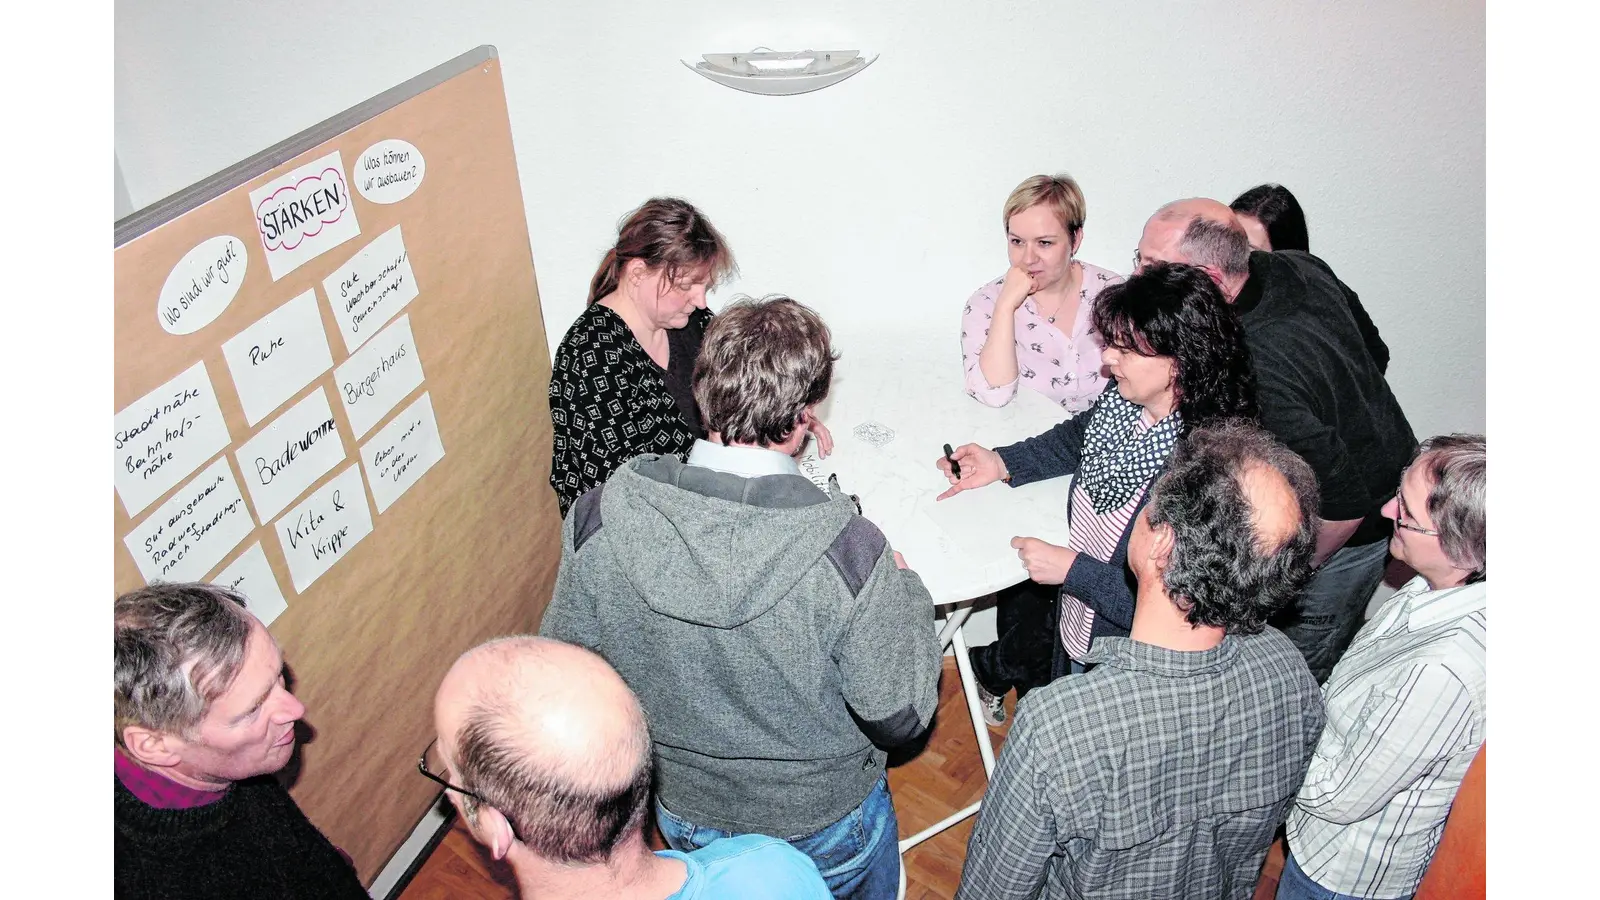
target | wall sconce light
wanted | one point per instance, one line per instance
(765, 71)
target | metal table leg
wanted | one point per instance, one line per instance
(951, 636)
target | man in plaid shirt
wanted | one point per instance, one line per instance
(1165, 770)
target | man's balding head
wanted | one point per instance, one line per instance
(1242, 509)
(1199, 232)
(550, 736)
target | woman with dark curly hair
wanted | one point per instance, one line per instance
(1176, 355)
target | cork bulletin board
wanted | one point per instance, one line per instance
(330, 391)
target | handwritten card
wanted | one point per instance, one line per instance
(189, 534)
(161, 438)
(278, 355)
(401, 451)
(371, 288)
(304, 213)
(251, 575)
(378, 376)
(389, 171)
(202, 285)
(322, 530)
(288, 456)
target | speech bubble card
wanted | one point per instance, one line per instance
(389, 171)
(303, 214)
(164, 436)
(202, 285)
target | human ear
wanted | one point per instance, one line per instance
(494, 831)
(1161, 544)
(152, 749)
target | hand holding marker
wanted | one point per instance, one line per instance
(955, 467)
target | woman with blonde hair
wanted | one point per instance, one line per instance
(1039, 311)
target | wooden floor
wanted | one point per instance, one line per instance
(944, 777)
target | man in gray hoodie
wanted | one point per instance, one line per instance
(776, 641)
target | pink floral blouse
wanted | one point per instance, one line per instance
(1064, 366)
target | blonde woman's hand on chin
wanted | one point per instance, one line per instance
(1017, 286)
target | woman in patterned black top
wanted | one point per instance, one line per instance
(620, 381)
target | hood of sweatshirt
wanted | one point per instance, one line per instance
(715, 549)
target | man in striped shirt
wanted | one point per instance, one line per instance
(1165, 771)
(1406, 703)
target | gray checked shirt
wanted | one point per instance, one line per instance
(1158, 774)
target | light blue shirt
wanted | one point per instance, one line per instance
(748, 867)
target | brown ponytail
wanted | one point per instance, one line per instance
(669, 235)
(606, 277)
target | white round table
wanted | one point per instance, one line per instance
(895, 402)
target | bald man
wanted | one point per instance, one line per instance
(1166, 769)
(545, 751)
(1321, 391)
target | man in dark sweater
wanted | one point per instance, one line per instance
(203, 719)
(1321, 392)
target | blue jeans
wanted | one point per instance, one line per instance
(1324, 619)
(858, 856)
(1295, 884)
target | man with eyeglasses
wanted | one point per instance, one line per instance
(1406, 705)
(546, 752)
(1322, 392)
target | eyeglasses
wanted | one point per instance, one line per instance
(1401, 514)
(1138, 261)
(422, 766)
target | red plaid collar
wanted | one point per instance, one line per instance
(157, 790)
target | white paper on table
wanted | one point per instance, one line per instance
(378, 376)
(322, 530)
(278, 355)
(162, 437)
(289, 455)
(187, 536)
(251, 575)
(976, 518)
(401, 452)
(303, 214)
(370, 289)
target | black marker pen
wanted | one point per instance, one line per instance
(955, 467)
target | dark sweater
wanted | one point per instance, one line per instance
(1321, 388)
(1102, 586)
(253, 843)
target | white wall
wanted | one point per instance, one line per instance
(121, 203)
(879, 200)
